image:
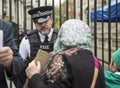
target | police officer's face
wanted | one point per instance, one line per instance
(44, 27)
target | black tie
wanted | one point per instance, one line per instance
(46, 39)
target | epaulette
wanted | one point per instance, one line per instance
(56, 31)
(30, 32)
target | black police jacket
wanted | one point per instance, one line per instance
(36, 44)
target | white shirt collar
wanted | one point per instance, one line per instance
(42, 37)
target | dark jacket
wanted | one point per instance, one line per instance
(74, 70)
(17, 64)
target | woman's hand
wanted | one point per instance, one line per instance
(33, 68)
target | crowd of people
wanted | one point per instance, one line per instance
(71, 65)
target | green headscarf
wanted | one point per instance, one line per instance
(116, 58)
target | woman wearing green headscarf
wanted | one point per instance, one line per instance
(73, 65)
(112, 77)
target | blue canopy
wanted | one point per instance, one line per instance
(106, 17)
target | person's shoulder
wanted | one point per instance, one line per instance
(108, 73)
(55, 30)
(31, 32)
(4, 23)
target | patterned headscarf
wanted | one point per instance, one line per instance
(73, 33)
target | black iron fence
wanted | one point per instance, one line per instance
(105, 31)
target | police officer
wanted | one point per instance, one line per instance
(43, 37)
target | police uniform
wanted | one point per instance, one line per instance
(34, 40)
